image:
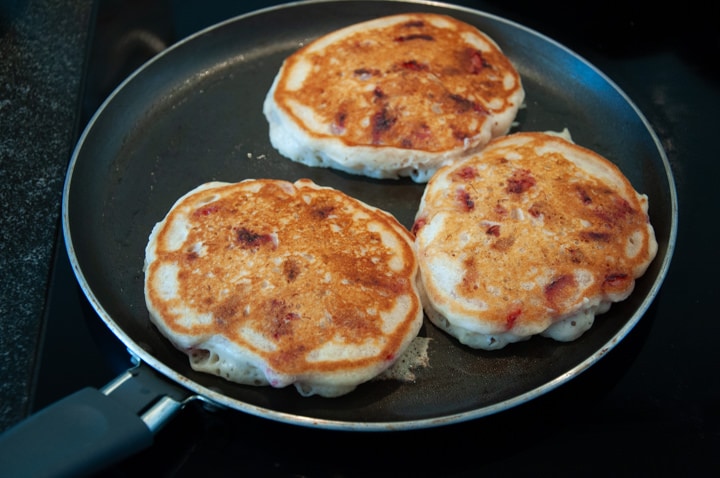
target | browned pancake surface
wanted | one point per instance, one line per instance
(428, 82)
(284, 271)
(531, 230)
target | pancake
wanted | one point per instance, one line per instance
(534, 235)
(267, 282)
(393, 97)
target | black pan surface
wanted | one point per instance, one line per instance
(194, 114)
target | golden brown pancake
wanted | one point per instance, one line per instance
(395, 96)
(534, 235)
(271, 282)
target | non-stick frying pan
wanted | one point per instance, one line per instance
(194, 114)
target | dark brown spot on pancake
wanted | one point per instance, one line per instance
(354, 326)
(576, 255)
(614, 211)
(472, 274)
(365, 73)
(381, 123)
(537, 209)
(458, 133)
(616, 280)
(500, 210)
(560, 289)
(291, 269)
(323, 211)
(584, 196)
(414, 36)
(225, 313)
(503, 243)
(464, 105)
(250, 239)
(282, 318)
(595, 236)
(422, 132)
(340, 118)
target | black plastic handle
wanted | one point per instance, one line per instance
(76, 436)
(92, 429)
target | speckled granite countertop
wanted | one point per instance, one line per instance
(42, 46)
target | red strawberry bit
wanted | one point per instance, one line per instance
(207, 210)
(419, 223)
(500, 210)
(477, 62)
(465, 200)
(414, 65)
(520, 181)
(381, 123)
(338, 124)
(493, 230)
(512, 317)
(466, 173)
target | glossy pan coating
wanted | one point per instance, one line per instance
(194, 114)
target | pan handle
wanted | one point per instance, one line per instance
(89, 430)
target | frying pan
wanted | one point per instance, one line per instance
(194, 114)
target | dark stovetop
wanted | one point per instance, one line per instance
(648, 407)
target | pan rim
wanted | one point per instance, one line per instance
(223, 400)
